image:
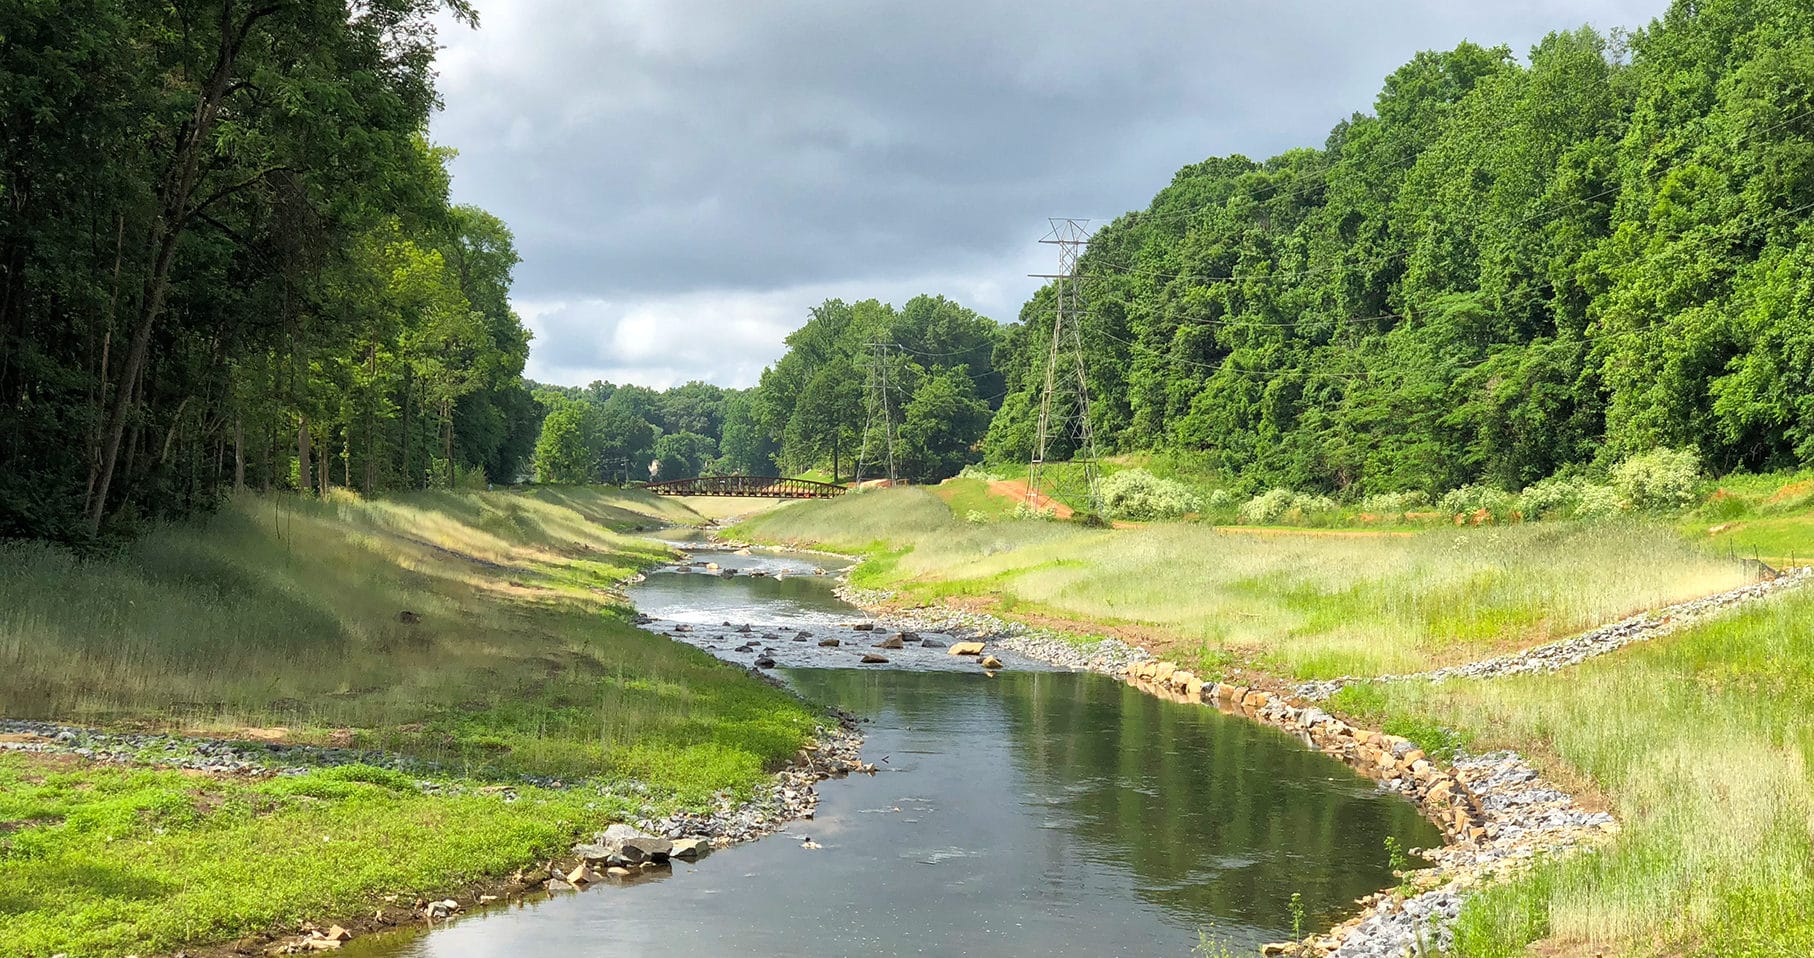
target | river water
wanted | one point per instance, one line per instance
(1031, 812)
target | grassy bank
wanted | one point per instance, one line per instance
(1305, 606)
(1703, 743)
(279, 618)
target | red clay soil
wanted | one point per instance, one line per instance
(1016, 489)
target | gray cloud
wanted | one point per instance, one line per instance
(695, 160)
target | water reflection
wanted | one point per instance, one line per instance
(1028, 814)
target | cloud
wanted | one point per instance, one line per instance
(677, 167)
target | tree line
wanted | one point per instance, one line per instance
(1505, 271)
(857, 382)
(228, 258)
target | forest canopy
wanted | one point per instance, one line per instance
(1506, 270)
(228, 257)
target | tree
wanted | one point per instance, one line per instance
(568, 450)
(683, 455)
(943, 426)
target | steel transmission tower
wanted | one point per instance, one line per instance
(1067, 381)
(879, 410)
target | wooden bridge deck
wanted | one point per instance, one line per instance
(756, 487)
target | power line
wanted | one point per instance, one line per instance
(880, 406)
(1070, 236)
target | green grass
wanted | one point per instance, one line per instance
(1307, 606)
(282, 614)
(1703, 742)
(971, 498)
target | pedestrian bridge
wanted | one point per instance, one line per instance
(756, 487)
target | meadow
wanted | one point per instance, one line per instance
(1299, 606)
(279, 618)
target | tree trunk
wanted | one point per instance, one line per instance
(305, 483)
(371, 428)
(447, 438)
(239, 453)
(175, 191)
(409, 479)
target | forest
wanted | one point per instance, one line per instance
(228, 258)
(857, 381)
(1507, 270)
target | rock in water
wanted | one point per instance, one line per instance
(892, 642)
(870, 658)
(644, 848)
(966, 648)
(828, 643)
(991, 662)
(688, 849)
(765, 663)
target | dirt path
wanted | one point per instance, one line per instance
(1016, 489)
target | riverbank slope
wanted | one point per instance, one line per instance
(429, 690)
(1699, 741)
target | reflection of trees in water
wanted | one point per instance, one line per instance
(1217, 818)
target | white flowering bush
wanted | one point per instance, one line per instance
(1596, 501)
(1138, 494)
(1283, 505)
(1551, 498)
(1662, 478)
(1471, 499)
(1395, 503)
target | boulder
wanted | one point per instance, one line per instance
(645, 848)
(864, 626)
(991, 662)
(892, 642)
(930, 643)
(828, 643)
(581, 876)
(764, 662)
(870, 658)
(688, 849)
(966, 648)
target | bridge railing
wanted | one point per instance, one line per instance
(760, 487)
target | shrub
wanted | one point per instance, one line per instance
(1138, 494)
(1283, 505)
(1269, 506)
(1024, 511)
(1662, 478)
(1394, 503)
(1221, 499)
(976, 517)
(1597, 502)
(977, 470)
(1551, 498)
(1471, 499)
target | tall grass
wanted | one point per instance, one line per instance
(1304, 605)
(1704, 743)
(280, 612)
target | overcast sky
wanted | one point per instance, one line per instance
(686, 177)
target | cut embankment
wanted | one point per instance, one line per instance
(479, 639)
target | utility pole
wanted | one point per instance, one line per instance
(1065, 372)
(879, 408)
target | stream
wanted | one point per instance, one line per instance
(1028, 812)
